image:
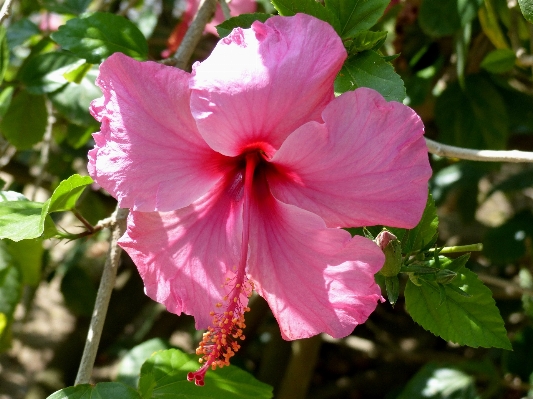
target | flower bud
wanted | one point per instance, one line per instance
(445, 276)
(392, 248)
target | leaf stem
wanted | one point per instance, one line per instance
(90, 228)
(107, 283)
(450, 151)
(460, 248)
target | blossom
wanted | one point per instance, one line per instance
(240, 174)
(236, 7)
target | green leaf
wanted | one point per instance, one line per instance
(3, 323)
(131, 363)
(74, 99)
(66, 195)
(20, 220)
(368, 69)
(356, 15)
(242, 21)
(76, 74)
(26, 255)
(21, 31)
(365, 40)
(473, 118)
(425, 232)
(291, 7)
(78, 136)
(508, 242)
(440, 382)
(4, 53)
(443, 17)
(100, 35)
(71, 7)
(79, 291)
(474, 321)
(43, 73)
(20, 130)
(164, 375)
(5, 99)
(10, 294)
(102, 390)
(499, 61)
(526, 6)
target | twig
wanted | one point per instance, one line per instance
(300, 368)
(7, 154)
(4, 12)
(45, 149)
(124, 11)
(194, 34)
(509, 286)
(225, 9)
(107, 283)
(449, 151)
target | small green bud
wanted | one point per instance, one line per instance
(445, 276)
(392, 248)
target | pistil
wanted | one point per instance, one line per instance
(222, 338)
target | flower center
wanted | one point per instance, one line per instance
(221, 340)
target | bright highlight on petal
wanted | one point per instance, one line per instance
(241, 174)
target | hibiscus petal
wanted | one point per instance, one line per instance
(366, 165)
(184, 256)
(259, 84)
(315, 279)
(148, 149)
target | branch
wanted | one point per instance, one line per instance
(509, 287)
(225, 9)
(301, 366)
(4, 12)
(449, 151)
(107, 283)
(45, 149)
(194, 34)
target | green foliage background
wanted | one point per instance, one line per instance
(466, 66)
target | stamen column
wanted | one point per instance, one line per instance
(220, 342)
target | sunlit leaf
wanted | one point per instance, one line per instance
(164, 375)
(43, 73)
(20, 220)
(102, 390)
(131, 363)
(474, 321)
(66, 195)
(368, 69)
(96, 37)
(356, 15)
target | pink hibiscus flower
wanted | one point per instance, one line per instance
(240, 174)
